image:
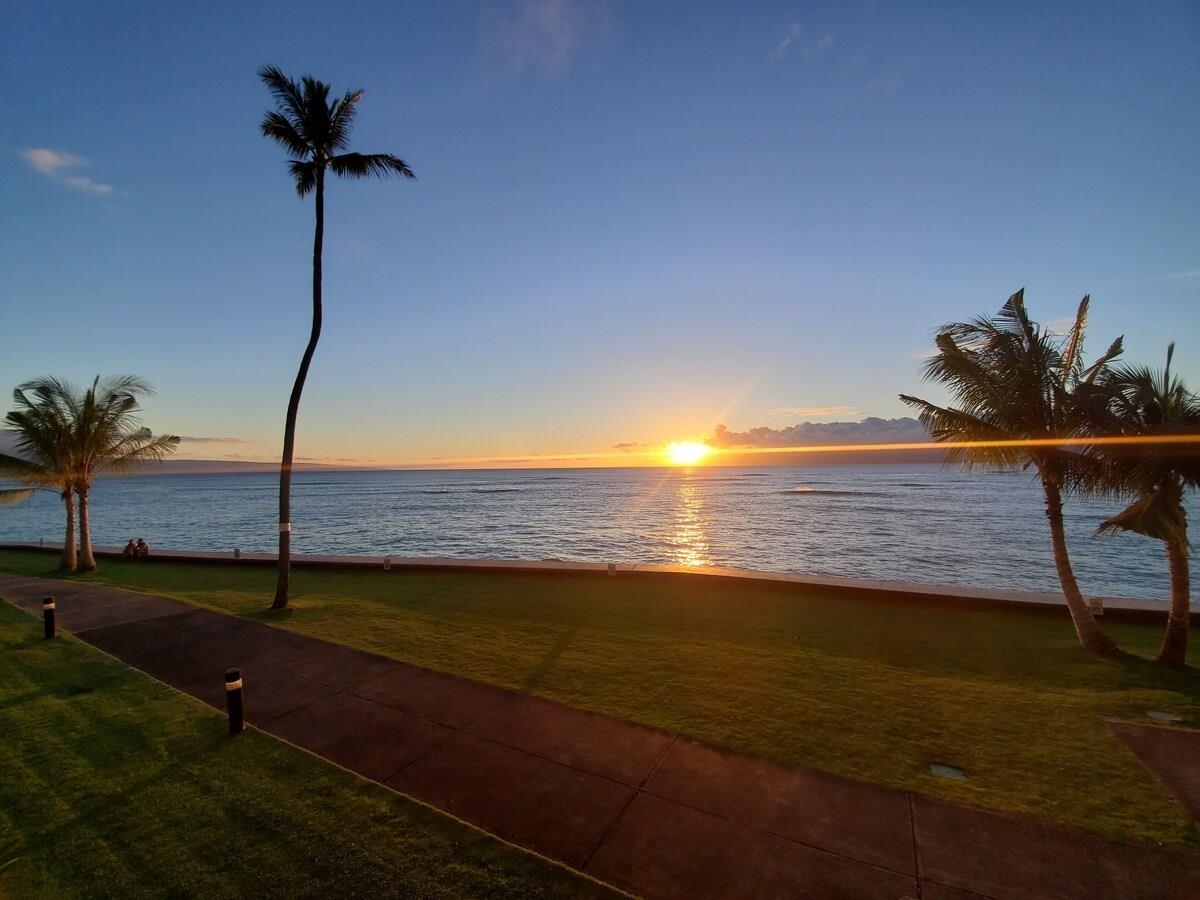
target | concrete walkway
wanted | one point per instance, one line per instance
(647, 811)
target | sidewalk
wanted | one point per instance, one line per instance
(651, 812)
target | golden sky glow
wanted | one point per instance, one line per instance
(687, 453)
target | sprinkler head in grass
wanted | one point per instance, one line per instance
(947, 771)
(1159, 715)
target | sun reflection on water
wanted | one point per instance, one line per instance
(688, 539)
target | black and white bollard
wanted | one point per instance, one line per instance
(233, 700)
(48, 616)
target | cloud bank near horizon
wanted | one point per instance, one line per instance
(871, 430)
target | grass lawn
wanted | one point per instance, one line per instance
(869, 689)
(113, 785)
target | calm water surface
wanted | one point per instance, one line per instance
(905, 522)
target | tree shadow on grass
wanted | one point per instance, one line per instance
(539, 672)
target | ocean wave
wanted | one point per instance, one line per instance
(824, 492)
(471, 490)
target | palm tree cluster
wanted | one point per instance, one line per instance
(65, 438)
(1016, 389)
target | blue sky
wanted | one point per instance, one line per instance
(632, 222)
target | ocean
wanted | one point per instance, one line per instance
(919, 523)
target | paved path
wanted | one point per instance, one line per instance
(648, 811)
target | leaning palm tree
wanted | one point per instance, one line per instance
(1153, 404)
(316, 132)
(107, 436)
(41, 429)
(1012, 380)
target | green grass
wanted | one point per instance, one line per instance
(868, 689)
(114, 785)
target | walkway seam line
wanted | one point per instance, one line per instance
(912, 821)
(637, 789)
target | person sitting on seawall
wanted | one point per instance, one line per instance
(142, 549)
(130, 551)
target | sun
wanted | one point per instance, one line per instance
(686, 453)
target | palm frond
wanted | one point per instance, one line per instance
(14, 496)
(362, 165)
(1115, 349)
(287, 94)
(279, 128)
(26, 470)
(1013, 317)
(1073, 351)
(139, 448)
(952, 426)
(341, 119)
(304, 173)
(1157, 515)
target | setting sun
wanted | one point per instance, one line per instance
(686, 453)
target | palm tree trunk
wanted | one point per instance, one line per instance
(1175, 641)
(1091, 636)
(289, 429)
(87, 562)
(68, 561)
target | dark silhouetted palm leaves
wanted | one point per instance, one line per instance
(1152, 403)
(1010, 380)
(67, 438)
(41, 426)
(315, 131)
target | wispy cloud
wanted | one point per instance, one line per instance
(191, 439)
(544, 34)
(1060, 325)
(630, 446)
(815, 412)
(63, 168)
(1180, 276)
(796, 38)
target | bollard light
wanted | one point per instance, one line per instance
(612, 569)
(237, 554)
(387, 564)
(48, 616)
(233, 701)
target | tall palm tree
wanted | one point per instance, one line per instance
(316, 132)
(1011, 380)
(42, 430)
(107, 435)
(1150, 403)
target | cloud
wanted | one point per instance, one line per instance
(819, 412)
(1180, 276)
(1060, 325)
(795, 38)
(188, 439)
(61, 167)
(871, 430)
(544, 34)
(629, 446)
